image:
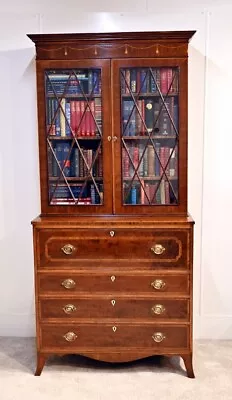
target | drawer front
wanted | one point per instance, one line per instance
(97, 247)
(83, 336)
(72, 283)
(71, 308)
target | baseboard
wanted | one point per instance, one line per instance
(22, 325)
(212, 327)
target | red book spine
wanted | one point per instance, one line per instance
(162, 159)
(164, 80)
(73, 117)
(87, 121)
(92, 122)
(82, 114)
(126, 163)
(136, 157)
(78, 117)
(169, 79)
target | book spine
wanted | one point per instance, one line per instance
(127, 83)
(133, 74)
(78, 117)
(164, 80)
(149, 115)
(73, 116)
(62, 117)
(133, 195)
(151, 160)
(66, 159)
(68, 118)
(157, 159)
(92, 114)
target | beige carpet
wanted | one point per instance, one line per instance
(78, 378)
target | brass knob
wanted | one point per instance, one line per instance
(68, 283)
(115, 138)
(158, 309)
(112, 233)
(70, 336)
(68, 249)
(69, 308)
(158, 249)
(158, 337)
(158, 284)
(112, 278)
(114, 328)
(109, 138)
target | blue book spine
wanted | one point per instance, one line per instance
(54, 164)
(59, 155)
(92, 194)
(66, 159)
(133, 196)
(153, 87)
(143, 81)
(68, 120)
(90, 81)
(96, 83)
(132, 119)
(57, 119)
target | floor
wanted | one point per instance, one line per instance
(74, 377)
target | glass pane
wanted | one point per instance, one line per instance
(149, 136)
(74, 136)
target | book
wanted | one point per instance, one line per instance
(149, 116)
(62, 117)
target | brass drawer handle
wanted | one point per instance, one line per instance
(69, 308)
(70, 336)
(112, 233)
(158, 309)
(158, 284)
(158, 249)
(158, 337)
(68, 249)
(68, 283)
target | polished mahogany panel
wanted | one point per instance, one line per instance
(114, 282)
(114, 307)
(155, 247)
(77, 336)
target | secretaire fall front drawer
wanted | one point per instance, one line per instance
(93, 247)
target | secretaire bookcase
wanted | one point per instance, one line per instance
(113, 246)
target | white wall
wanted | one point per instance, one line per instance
(209, 129)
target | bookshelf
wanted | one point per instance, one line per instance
(112, 127)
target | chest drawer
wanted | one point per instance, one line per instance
(115, 282)
(117, 307)
(98, 247)
(91, 336)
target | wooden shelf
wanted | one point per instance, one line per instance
(74, 179)
(126, 95)
(74, 96)
(53, 137)
(140, 137)
(149, 178)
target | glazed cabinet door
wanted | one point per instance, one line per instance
(150, 135)
(74, 112)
